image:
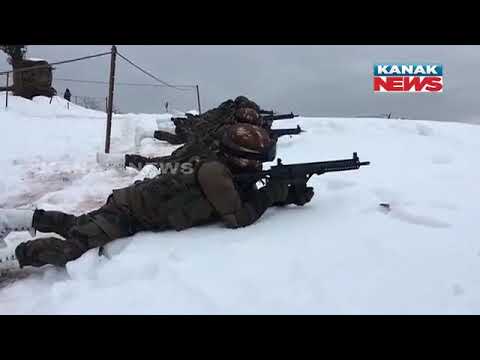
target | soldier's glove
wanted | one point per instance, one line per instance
(299, 195)
(277, 192)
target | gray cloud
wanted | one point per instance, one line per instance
(310, 80)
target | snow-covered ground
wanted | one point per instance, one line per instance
(340, 254)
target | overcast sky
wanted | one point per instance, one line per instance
(308, 80)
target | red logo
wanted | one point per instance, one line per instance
(408, 84)
(408, 78)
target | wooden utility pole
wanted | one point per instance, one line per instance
(198, 101)
(110, 99)
(6, 91)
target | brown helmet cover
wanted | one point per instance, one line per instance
(249, 116)
(247, 145)
(242, 101)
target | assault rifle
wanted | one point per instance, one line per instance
(282, 132)
(299, 174)
(269, 119)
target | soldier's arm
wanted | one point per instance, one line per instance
(217, 184)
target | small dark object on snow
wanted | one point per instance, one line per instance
(103, 252)
(385, 206)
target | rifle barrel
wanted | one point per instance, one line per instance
(267, 112)
(279, 117)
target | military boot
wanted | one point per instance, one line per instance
(53, 222)
(15, 220)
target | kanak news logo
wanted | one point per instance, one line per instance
(407, 78)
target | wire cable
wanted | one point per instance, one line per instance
(191, 87)
(55, 63)
(149, 74)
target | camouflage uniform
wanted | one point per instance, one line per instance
(165, 202)
(200, 134)
(187, 129)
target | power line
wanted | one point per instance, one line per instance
(149, 74)
(81, 81)
(113, 52)
(55, 63)
(121, 83)
(164, 83)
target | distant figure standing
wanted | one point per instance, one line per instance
(67, 96)
(166, 106)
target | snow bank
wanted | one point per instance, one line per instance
(341, 253)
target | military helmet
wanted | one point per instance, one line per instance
(247, 146)
(248, 115)
(243, 101)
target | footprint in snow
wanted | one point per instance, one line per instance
(174, 257)
(16, 162)
(444, 205)
(334, 125)
(441, 159)
(424, 130)
(458, 290)
(388, 195)
(338, 184)
(405, 216)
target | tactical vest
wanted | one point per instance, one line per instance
(168, 201)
